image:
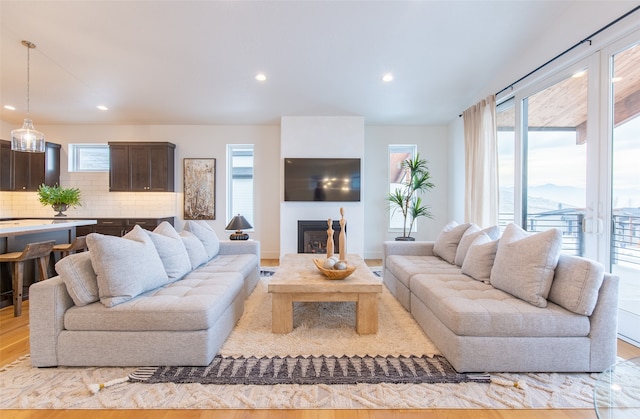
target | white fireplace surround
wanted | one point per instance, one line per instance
(321, 136)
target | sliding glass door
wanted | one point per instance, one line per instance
(554, 144)
(576, 143)
(623, 126)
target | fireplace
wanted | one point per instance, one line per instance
(312, 236)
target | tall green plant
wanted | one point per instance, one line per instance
(54, 195)
(407, 198)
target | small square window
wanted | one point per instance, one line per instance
(88, 158)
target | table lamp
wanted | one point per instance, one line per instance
(238, 223)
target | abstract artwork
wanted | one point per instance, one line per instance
(199, 189)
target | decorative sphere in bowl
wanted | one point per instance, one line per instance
(334, 273)
(329, 263)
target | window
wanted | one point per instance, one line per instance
(240, 181)
(506, 118)
(397, 154)
(88, 158)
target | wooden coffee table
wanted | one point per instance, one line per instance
(297, 279)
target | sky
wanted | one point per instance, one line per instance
(555, 159)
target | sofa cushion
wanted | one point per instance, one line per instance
(242, 263)
(195, 249)
(404, 267)
(171, 250)
(472, 308)
(469, 236)
(446, 243)
(524, 264)
(480, 257)
(207, 236)
(576, 284)
(195, 302)
(126, 266)
(76, 271)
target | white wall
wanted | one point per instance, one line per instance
(456, 170)
(432, 145)
(322, 136)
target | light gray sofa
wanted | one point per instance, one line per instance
(570, 326)
(112, 305)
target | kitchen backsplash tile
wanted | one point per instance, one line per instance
(97, 201)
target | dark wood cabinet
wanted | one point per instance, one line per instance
(142, 167)
(20, 171)
(121, 226)
(5, 165)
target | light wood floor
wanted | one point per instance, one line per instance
(14, 343)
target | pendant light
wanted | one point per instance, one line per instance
(27, 138)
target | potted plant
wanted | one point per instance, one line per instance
(407, 197)
(59, 198)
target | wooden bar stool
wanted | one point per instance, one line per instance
(65, 249)
(39, 251)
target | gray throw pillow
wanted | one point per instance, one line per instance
(171, 250)
(525, 264)
(76, 271)
(195, 249)
(480, 257)
(576, 284)
(207, 236)
(446, 243)
(469, 236)
(126, 266)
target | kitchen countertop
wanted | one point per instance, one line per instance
(27, 226)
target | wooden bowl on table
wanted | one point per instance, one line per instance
(333, 273)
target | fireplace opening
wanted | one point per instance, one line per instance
(312, 236)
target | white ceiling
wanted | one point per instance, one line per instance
(194, 62)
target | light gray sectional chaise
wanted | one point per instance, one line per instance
(146, 299)
(513, 304)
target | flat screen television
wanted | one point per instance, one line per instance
(322, 179)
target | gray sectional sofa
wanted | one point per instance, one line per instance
(506, 304)
(145, 299)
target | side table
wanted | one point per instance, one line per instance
(617, 391)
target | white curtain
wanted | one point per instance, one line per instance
(481, 163)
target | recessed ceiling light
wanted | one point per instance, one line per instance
(616, 79)
(579, 74)
(387, 77)
(102, 108)
(9, 107)
(261, 77)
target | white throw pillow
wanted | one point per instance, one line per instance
(195, 249)
(446, 243)
(207, 236)
(76, 271)
(525, 264)
(469, 236)
(171, 250)
(480, 257)
(126, 266)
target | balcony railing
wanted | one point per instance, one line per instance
(625, 236)
(625, 239)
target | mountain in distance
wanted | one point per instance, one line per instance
(547, 197)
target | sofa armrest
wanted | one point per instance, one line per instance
(604, 325)
(239, 247)
(48, 301)
(417, 248)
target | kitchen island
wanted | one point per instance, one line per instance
(16, 234)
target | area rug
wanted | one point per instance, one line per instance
(22, 386)
(311, 370)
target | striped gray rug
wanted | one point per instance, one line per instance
(311, 370)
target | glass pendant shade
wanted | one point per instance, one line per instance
(27, 138)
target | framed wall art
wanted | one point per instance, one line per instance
(199, 189)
